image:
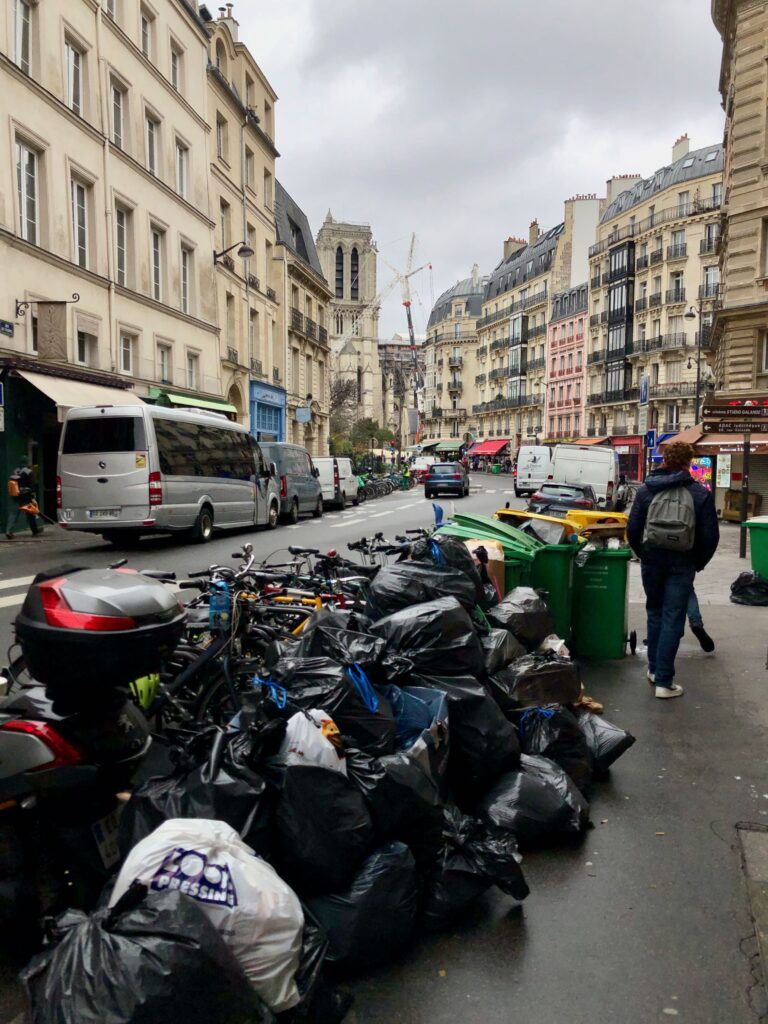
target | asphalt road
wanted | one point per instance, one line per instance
(24, 556)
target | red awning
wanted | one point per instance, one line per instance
(487, 447)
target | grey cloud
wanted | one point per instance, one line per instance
(480, 102)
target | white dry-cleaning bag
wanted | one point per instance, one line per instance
(256, 913)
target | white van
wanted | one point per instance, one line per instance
(597, 465)
(533, 467)
(337, 479)
(125, 470)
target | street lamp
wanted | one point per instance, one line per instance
(244, 252)
(692, 314)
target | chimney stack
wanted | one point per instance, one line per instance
(681, 147)
(533, 232)
(513, 245)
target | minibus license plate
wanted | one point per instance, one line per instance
(103, 513)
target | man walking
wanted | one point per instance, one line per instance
(674, 532)
(21, 490)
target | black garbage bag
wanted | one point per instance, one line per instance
(606, 742)
(403, 798)
(437, 636)
(404, 584)
(525, 615)
(423, 735)
(483, 744)
(150, 958)
(373, 921)
(750, 588)
(538, 803)
(448, 552)
(220, 789)
(536, 679)
(364, 717)
(553, 732)
(330, 634)
(322, 830)
(472, 857)
(501, 648)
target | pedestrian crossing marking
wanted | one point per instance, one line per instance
(336, 526)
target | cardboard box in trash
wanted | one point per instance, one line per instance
(495, 551)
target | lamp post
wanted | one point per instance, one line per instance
(244, 252)
(692, 314)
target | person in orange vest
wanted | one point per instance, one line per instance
(21, 492)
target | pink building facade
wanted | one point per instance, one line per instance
(566, 379)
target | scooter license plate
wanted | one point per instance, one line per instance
(105, 834)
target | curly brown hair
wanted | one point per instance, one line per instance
(678, 455)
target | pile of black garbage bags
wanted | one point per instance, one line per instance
(382, 778)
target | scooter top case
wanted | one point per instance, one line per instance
(96, 629)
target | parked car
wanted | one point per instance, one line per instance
(531, 468)
(420, 467)
(448, 478)
(596, 465)
(558, 497)
(297, 479)
(126, 470)
(337, 479)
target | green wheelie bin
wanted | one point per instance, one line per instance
(600, 605)
(552, 574)
(758, 544)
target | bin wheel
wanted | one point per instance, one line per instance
(633, 641)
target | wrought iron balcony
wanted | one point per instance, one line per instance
(297, 320)
(310, 328)
(625, 429)
(257, 367)
(595, 281)
(706, 337)
(677, 252)
(657, 256)
(454, 414)
(536, 364)
(598, 356)
(482, 352)
(641, 263)
(454, 362)
(536, 332)
(232, 355)
(592, 432)
(276, 374)
(322, 335)
(435, 413)
(499, 373)
(654, 300)
(618, 273)
(675, 295)
(618, 315)
(253, 282)
(480, 378)
(709, 245)
(709, 291)
(594, 320)
(641, 304)
(499, 343)
(272, 294)
(604, 317)
(455, 386)
(683, 389)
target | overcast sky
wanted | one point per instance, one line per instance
(463, 121)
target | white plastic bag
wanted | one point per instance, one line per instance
(256, 913)
(312, 737)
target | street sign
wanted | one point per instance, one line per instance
(303, 414)
(6, 328)
(650, 439)
(736, 427)
(642, 419)
(741, 413)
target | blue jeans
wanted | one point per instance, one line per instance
(694, 612)
(668, 589)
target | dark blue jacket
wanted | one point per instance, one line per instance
(707, 528)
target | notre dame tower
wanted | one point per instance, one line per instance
(348, 259)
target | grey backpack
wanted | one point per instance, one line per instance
(671, 520)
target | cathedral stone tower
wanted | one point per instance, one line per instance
(348, 257)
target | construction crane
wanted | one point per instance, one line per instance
(405, 284)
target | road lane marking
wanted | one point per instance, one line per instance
(334, 526)
(509, 492)
(490, 492)
(388, 513)
(20, 581)
(411, 504)
(296, 526)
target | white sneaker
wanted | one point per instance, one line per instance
(665, 692)
(650, 677)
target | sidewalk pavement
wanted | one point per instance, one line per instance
(649, 919)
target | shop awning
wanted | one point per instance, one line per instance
(197, 403)
(69, 394)
(449, 446)
(713, 444)
(591, 440)
(487, 447)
